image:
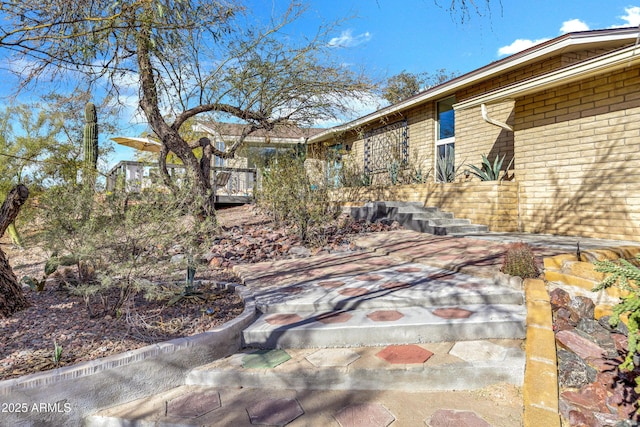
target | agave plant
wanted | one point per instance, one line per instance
(490, 171)
(446, 169)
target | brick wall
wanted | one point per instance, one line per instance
(475, 137)
(577, 150)
(488, 203)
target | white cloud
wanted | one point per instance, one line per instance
(573, 25)
(347, 39)
(518, 46)
(632, 17)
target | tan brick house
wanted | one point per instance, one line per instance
(566, 111)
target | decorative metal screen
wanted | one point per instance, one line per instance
(384, 145)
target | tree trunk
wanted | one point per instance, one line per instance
(11, 297)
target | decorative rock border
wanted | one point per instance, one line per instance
(65, 396)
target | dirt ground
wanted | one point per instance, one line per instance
(56, 317)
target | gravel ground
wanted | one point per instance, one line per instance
(55, 316)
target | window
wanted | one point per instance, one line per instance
(334, 165)
(220, 162)
(445, 141)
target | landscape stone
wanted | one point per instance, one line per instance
(583, 307)
(573, 371)
(620, 328)
(579, 345)
(605, 419)
(559, 298)
(563, 319)
(591, 330)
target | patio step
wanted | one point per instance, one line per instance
(376, 327)
(414, 216)
(467, 365)
(411, 303)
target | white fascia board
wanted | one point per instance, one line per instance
(438, 92)
(608, 62)
(249, 139)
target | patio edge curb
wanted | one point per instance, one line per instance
(66, 396)
(540, 388)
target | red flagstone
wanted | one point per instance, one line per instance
(283, 319)
(452, 313)
(369, 277)
(330, 284)
(408, 270)
(193, 405)
(364, 415)
(404, 354)
(274, 412)
(353, 292)
(385, 315)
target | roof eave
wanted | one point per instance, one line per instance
(609, 62)
(500, 66)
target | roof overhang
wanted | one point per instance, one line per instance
(566, 43)
(617, 60)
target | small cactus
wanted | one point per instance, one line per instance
(90, 137)
(520, 261)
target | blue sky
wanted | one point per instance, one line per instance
(389, 36)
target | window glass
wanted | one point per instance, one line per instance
(446, 119)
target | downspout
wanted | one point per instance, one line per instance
(488, 119)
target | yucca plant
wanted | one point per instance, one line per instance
(490, 171)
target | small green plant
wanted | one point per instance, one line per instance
(626, 276)
(490, 171)
(394, 171)
(520, 261)
(57, 353)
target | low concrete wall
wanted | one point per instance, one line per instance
(491, 203)
(65, 396)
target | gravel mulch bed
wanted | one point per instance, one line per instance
(27, 338)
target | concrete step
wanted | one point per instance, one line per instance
(414, 216)
(357, 328)
(387, 289)
(467, 365)
(448, 222)
(245, 407)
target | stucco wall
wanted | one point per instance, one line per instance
(577, 152)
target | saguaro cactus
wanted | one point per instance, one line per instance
(90, 137)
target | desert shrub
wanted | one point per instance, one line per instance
(117, 242)
(520, 261)
(352, 174)
(289, 195)
(626, 276)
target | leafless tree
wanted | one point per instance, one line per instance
(186, 59)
